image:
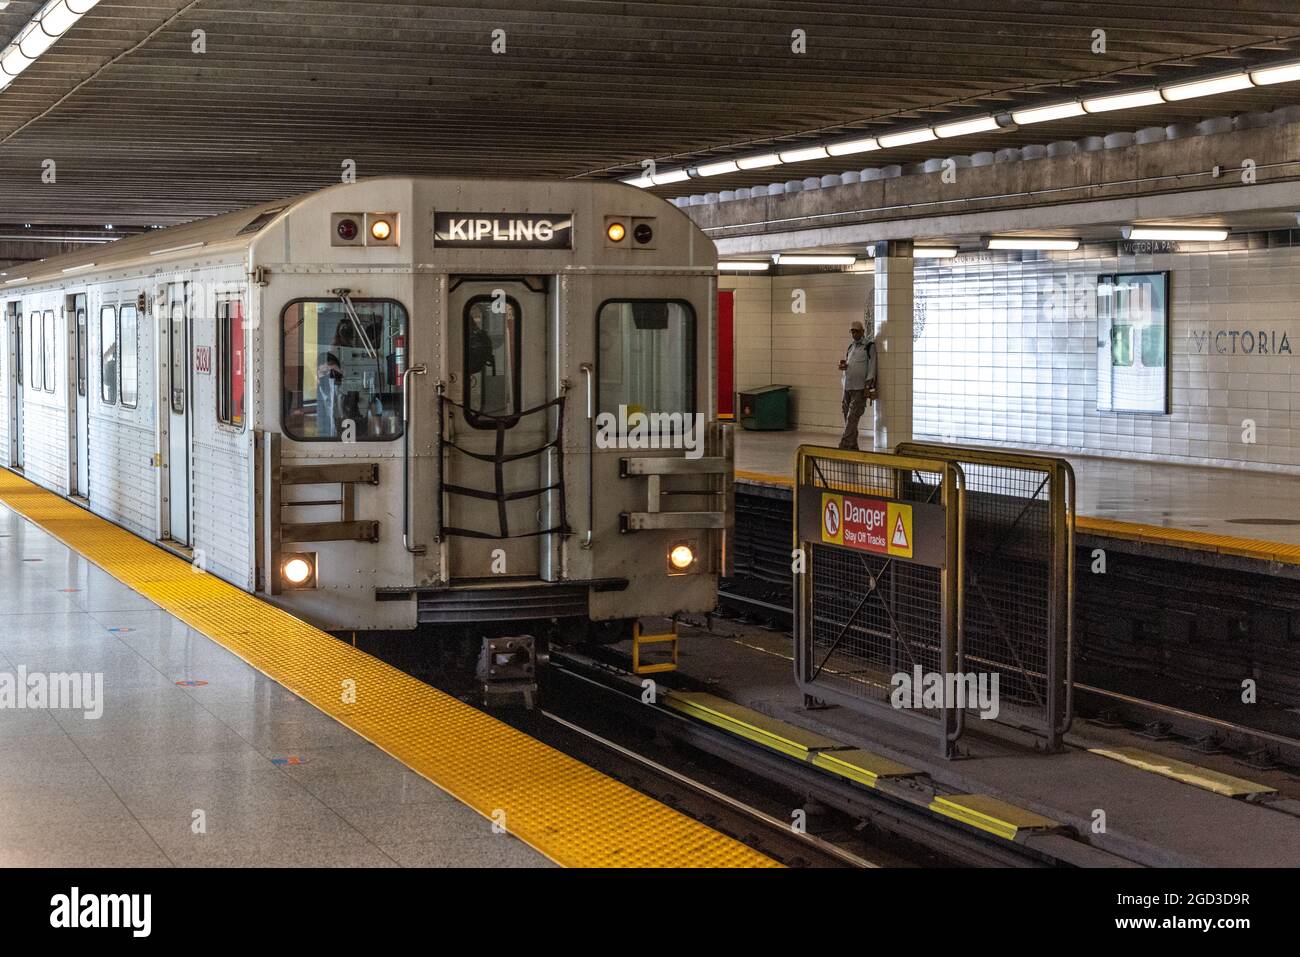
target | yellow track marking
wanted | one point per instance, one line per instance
(568, 811)
(1216, 781)
(990, 814)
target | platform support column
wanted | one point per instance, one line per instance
(894, 356)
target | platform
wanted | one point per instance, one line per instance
(233, 734)
(1251, 514)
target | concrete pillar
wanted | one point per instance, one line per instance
(893, 319)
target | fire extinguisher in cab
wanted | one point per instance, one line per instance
(399, 360)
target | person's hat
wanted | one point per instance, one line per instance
(856, 324)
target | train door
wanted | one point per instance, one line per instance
(14, 311)
(174, 339)
(75, 310)
(497, 425)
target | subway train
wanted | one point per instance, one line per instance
(394, 402)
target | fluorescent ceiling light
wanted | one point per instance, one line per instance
(641, 182)
(1210, 234)
(51, 22)
(1193, 88)
(979, 124)
(785, 259)
(19, 279)
(744, 265)
(1122, 101)
(803, 155)
(79, 268)
(714, 169)
(906, 138)
(758, 161)
(1015, 242)
(934, 252)
(672, 176)
(1044, 114)
(1276, 74)
(853, 146)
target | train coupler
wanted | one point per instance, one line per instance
(507, 670)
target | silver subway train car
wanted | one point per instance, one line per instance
(393, 402)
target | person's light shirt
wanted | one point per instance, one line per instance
(857, 362)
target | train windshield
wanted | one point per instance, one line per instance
(647, 356)
(342, 369)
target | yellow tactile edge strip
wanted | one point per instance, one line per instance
(1229, 785)
(567, 811)
(1279, 552)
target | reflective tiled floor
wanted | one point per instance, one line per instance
(1258, 505)
(227, 770)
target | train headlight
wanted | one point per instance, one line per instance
(298, 571)
(616, 232)
(681, 558)
(381, 229)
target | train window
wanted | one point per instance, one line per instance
(230, 363)
(179, 352)
(108, 357)
(128, 351)
(490, 334)
(16, 315)
(37, 363)
(341, 369)
(647, 356)
(48, 350)
(82, 342)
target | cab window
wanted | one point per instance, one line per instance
(341, 370)
(647, 356)
(490, 334)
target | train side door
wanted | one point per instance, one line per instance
(75, 311)
(14, 311)
(497, 355)
(175, 347)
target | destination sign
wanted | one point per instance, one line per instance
(504, 230)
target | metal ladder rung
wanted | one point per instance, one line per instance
(640, 641)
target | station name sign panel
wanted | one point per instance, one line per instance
(503, 230)
(912, 531)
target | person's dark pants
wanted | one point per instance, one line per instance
(855, 401)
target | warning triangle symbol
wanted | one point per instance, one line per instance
(900, 534)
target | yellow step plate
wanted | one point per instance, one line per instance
(747, 723)
(862, 766)
(989, 814)
(1219, 783)
(568, 811)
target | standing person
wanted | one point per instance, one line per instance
(858, 380)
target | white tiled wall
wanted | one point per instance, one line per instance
(1007, 353)
(777, 345)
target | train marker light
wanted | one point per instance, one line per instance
(616, 232)
(643, 233)
(381, 229)
(680, 558)
(299, 571)
(347, 229)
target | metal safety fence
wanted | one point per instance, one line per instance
(878, 597)
(1018, 616)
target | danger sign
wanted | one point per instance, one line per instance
(868, 524)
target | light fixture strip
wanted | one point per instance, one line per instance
(1263, 75)
(49, 23)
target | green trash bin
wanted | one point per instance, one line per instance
(766, 408)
